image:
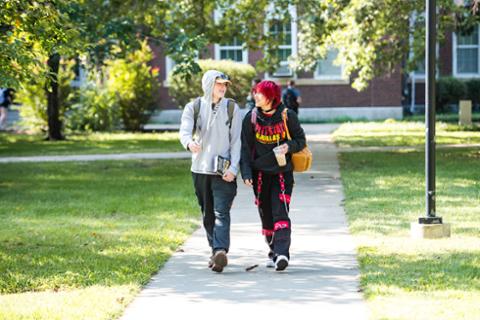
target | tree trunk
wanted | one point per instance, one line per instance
(53, 107)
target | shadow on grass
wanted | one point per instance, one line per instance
(385, 191)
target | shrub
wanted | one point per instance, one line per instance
(473, 92)
(133, 83)
(449, 91)
(95, 111)
(241, 75)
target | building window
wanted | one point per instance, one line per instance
(283, 31)
(231, 51)
(286, 33)
(420, 69)
(466, 56)
(80, 73)
(326, 69)
(169, 65)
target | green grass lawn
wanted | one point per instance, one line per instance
(392, 133)
(403, 278)
(78, 240)
(444, 117)
(28, 145)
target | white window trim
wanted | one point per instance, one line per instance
(454, 57)
(169, 65)
(421, 76)
(294, 45)
(340, 76)
(217, 47)
(79, 81)
(414, 74)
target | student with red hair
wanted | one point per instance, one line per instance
(264, 130)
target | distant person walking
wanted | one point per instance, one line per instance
(291, 97)
(6, 100)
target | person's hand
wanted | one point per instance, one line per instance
(228, 176)
(194, 147)
(248, 182)
(283, 148)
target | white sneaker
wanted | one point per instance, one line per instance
(270, 264)
(281, 263)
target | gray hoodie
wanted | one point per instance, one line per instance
(212, 131)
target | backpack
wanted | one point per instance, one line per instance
(291, 100)
(196, 112)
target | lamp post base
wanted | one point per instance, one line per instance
(430, 220)
(429, 230)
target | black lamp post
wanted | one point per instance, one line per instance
(430, 62)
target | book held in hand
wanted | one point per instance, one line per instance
(221, 165)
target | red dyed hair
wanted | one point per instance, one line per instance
(271, 91)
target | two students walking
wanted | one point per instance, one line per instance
(222, 144)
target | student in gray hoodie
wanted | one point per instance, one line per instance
(213, 134)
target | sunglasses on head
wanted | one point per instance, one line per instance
(223, 77)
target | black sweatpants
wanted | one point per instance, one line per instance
(273, 207)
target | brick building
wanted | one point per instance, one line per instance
(325, 93)
(458, 56)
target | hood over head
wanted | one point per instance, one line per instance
(208, 82)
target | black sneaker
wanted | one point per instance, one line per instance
(271, 255)
(220, 261)
(281, 263)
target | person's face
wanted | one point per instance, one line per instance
(261, 100)
(219, 90)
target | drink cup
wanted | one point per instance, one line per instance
(282, 161)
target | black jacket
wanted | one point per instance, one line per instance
(258, 143)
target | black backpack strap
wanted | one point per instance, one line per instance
(253, 117)
(196, 112)
(253, 121)
(230, 109)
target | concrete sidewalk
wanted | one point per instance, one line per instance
(316, 133)
(99, 157)
(320, 283)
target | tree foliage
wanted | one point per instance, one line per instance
(373, 37)
(28, 31)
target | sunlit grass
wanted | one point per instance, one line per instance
(392, 133)
(403, 278)
(78, 240)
